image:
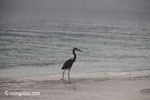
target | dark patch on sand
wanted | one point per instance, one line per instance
(147, 90)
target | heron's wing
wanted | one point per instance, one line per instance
(67, 64)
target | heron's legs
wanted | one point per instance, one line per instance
(69, 75)
(63, 75)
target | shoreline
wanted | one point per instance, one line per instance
(45, 76)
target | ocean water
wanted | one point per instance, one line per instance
(35, 46)
(41, 47)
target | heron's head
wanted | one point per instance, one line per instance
(74, 49)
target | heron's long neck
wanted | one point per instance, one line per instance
(74, 58)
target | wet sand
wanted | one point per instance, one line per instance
(52, 88)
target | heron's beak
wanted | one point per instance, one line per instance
(80, 50)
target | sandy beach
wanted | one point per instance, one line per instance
(94, 88)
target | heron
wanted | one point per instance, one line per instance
(68, 64)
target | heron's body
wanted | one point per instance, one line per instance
(68, 64)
